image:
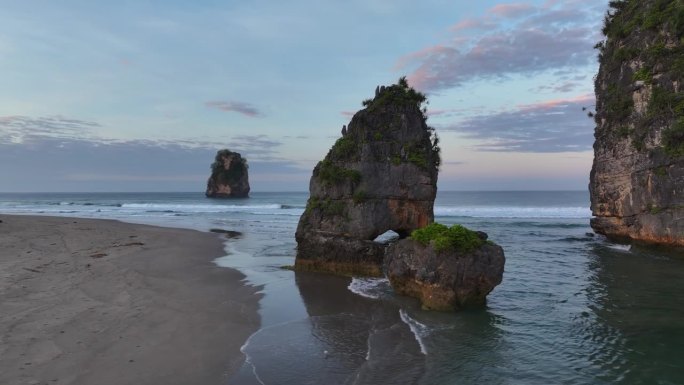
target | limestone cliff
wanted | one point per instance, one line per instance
(380, 175)
(229, 177)
(637, 179)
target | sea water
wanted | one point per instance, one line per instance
(573, 308)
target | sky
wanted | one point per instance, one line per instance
(139, 95)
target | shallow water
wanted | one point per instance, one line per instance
(572, 308)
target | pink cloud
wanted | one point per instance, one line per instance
(511, 10)
(419, 55)
(233, 106)
(552, 37)
(454, 111)
(554, 103)
(467, 24)
(557, 125)
(8, 119)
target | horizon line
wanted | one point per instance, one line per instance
(262, 191)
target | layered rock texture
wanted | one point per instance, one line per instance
(229, 177)
(637, 179)
(445, 278)
(380, 175)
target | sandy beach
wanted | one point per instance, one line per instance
(103, 302)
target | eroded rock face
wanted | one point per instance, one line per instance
(340, 255)
(380, 175)
(637, 179)
(444, 280)
(229, 177)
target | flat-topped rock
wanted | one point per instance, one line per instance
(446, 276)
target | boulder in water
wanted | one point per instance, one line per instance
(445, 268)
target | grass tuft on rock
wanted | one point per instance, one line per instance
(444, 238)
(331, 174)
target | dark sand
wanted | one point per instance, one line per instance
(103, 302)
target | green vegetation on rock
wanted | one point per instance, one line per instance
(327, 206)
(660, 171)
(619, 104)
(654, 210)
(644, 75)
(396, 94)
(418, 158)
(359, 196)
(628, 16)
(645, 40)
(443, 238)
(344, 148)
(665, 103)
(673, 138)
(330, 173)
(399, 95)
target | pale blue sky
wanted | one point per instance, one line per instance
(139, 95)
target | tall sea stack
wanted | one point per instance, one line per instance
(229, 177)
(380, 175)
(637, 179)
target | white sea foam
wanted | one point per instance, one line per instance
(120, 206)
(512, 212)
(233, 255)
(372, 288)
(200, 207)
(368, 342)
(418, 329)
(248, 359)
(616, 246)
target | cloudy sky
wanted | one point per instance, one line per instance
(137, 95)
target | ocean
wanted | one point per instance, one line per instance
(573, 308)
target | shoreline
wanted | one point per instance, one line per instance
(86, 301)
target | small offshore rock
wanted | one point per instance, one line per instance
(229, 176)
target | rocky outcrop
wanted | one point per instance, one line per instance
(637, 179)
(380, 175)
(445, 277)
(229, 177)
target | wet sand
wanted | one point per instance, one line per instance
(103, 302)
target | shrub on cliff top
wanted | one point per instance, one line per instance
(445, 238)
(399, 93)
(344, 148)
